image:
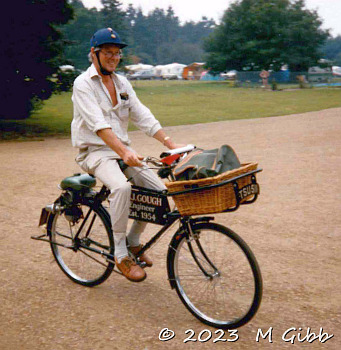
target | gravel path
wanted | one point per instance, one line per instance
(294, 230)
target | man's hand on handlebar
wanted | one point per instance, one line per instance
(132, 159)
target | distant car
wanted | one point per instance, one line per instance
(229, 75)
(143, 75)
(319, 70)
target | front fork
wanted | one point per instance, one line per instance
(187, 231)
(194, 237)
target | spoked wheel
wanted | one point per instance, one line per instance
(81, 259)
(215, 275)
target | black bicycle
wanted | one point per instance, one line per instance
(212, 269)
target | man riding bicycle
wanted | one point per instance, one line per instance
(104, 102)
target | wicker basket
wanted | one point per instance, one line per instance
(213, 200)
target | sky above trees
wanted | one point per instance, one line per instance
(328, 10)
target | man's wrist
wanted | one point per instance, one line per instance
(168, 142)
(165, 140)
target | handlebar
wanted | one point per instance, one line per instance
(157, 162)
(170, 154)
(180, 150)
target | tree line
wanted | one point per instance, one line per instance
(155, 38)
(253, 35)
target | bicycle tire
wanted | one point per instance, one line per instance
(79, 263)
(229, 263)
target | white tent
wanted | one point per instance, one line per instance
(138, 67)
(169, 71)
(158, 70)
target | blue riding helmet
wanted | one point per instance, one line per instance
(106, 36)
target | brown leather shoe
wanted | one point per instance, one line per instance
(131, 270)
(144, 258)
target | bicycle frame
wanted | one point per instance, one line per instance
(186, 223)
(169, 220)
(163, 216)
(170, 217)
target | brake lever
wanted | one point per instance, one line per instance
(153, 161)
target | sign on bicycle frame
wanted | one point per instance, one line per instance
(147, 205)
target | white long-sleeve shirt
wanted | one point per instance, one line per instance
(93, 110)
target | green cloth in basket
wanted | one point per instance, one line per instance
(201, 163)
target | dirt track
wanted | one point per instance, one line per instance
(294, 229)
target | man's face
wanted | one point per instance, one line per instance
(110, 56)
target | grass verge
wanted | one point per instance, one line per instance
(182, 102)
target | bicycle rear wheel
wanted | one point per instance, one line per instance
(215, 275)
(81, 259)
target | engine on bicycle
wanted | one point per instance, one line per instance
(72, 211)
(73, 214)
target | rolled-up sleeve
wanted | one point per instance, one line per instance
(86, 104)
(141, 116)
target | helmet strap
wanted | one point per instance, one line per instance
(103, 71)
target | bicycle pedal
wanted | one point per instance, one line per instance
(141, 264)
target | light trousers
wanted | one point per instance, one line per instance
(102, 163)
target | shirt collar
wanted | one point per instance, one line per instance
(94, 73)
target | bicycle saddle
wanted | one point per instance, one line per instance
(78, 182)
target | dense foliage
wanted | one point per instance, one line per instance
(32, 51)
(155, 38)
(266, 34)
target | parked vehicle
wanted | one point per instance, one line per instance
(143, 75)
(232, 74)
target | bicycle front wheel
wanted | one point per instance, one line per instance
(215, 275)
(81, 257)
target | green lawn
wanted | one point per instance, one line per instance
(181, 102)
